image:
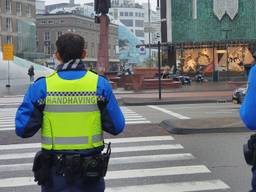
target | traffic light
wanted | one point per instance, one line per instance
(102, 6)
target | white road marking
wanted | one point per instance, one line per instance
(151, 158)
(7, 129)
(146, 148)
(117, 160)
(175, 187)
(114, 141)
(164, 171)
(137, 122)
(132, 117)
(176, 115)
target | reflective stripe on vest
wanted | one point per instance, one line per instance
(71, 119)
(72, 140)
(71, 108)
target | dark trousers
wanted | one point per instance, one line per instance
(253, 179)
(59, 184)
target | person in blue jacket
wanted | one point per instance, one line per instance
(32, 113)
(248, 111)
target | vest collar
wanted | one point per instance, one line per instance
(72, 65)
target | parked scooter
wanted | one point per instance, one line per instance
(199, 78)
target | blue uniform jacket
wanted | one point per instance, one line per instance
(29, 114)
(248, 108)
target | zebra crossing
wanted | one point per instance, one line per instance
(11, 100)
(137, 164)
(131, 117)
(7, 118)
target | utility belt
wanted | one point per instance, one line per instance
(71, 166)
(250, 151)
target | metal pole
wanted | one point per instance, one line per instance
(149, 29)
(159, 71)
(8, 75)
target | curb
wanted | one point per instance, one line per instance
(177, 130)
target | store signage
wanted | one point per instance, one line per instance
(222, 7)
(142, 50)
(8, 52)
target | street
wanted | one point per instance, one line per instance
(145, 157)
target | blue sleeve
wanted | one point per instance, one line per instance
(29, 115)
(248, 108)
(112, 117)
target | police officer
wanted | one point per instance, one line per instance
(248, 114)
(72, 107)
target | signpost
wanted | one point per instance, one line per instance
(8, 56)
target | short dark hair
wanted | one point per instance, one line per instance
(70, 46)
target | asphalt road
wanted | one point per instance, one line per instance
(155, 159)
(156, 114)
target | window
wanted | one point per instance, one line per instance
(47, 49)
(92, 50)
(136, 14)
(86, 45)
(9, 24)
(50, 22)
(29, 14)
(139, 23)
(43, 22)
(59, 33)
(194, 9)
(126, 14)
(18, 9)
(9, 39)
(121, 13)
(8, 6)
(47, 36)
(131, 14)
(127, 22)
(139, 33)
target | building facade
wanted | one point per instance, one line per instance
(50, 27)
(131, 14)
(17, 24)
(40, 7)
(214, 34)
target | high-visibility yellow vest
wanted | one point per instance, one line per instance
(71, 118)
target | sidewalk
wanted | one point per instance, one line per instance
(196, 93)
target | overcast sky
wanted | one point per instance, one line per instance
(48, 2)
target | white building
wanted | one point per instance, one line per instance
(131, 14)
(153, 28)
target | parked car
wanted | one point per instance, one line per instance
(238, 95)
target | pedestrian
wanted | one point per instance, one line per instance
(72, 107)
(31, 73)
(248, 114)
